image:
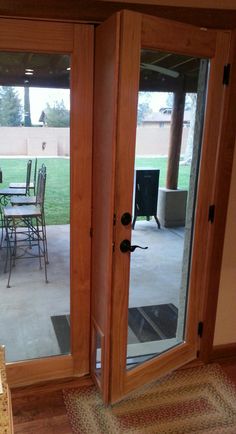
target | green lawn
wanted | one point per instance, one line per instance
(57, 200)
(161, 163)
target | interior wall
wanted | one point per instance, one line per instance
(225, 329)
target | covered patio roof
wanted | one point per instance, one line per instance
(160, 71)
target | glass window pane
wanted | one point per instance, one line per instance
(35, 243)
(168, 145)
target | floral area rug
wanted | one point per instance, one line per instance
(199, 400)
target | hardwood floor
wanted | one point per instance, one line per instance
(42, 413)
(41, 410)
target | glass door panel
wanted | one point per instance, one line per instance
(170, 118)
(35, 252)
(147, 302)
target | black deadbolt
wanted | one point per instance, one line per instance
(126, 219)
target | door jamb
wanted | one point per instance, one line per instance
(220, 198)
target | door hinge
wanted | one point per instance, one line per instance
(200, 329)
(211, 213)
(91, 232)
(114, 219)
(226, 74)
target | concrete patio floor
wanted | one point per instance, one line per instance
(27, 306)
(155, 276)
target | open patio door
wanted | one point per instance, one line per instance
(147, 304)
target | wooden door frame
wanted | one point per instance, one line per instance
(75, 40)
(220, 198)
(203, 43)
(105, 114)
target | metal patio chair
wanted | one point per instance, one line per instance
(28, 200)
(31, 184)
(26, 231)
(7, 193)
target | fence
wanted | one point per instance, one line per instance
(47, 141)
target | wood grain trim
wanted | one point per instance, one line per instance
(35, 371)
(104, 154)
(167, 362)
(200, 268)
(81, 193)
(202, 230)
(221, 178)
(26, 35)
(51, 386)
(225, 351)
(126, 138)
(124, 168)
(78, 40)
(220, 4)
(99, 380)
(194, 41)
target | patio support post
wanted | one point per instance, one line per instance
(176, 129)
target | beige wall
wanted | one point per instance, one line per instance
(153, 140)
(225, 330)
(41, 141)
(46, 141)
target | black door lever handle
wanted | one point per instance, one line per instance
(125, 246)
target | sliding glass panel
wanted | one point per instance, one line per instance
(168, 145)
(35, 204)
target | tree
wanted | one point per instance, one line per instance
(188, 100)
(27, 115)
(10, 107)
(57, 115)
(169, 99)
(143, 105)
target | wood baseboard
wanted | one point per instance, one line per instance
(51, 386)
(226, 351)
